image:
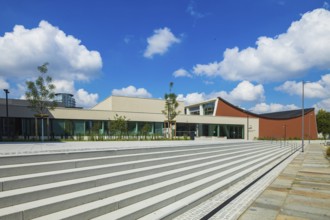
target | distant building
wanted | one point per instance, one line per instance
(66, 99)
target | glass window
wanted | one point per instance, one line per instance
(208, 108)
(194, 110)
(79, 128)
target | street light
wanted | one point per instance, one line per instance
(302, 120)
(6, 91)
(247, 126)
(309, 128)
(284, 126)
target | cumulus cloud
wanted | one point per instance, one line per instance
(3, 84)
(82, 97)
(243, 92)
(131, 91)
(324, 104)
(160, 42)
(85, 99)
(246, 91)
(181, 73)
(304, 46)
(64, 86)
(23, 49)
(318, 89)
(273, 107)
(192, 98)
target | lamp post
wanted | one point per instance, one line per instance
(168, 102)
(6, 91)
(247, 127)
(309, 128)
(284, 126)
(302, 117)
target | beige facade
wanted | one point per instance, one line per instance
(138, 110)
(132, 104)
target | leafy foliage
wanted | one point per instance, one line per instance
(171, 105)
(119, 125)
(146, 129)
(323, 122)
(40, 93)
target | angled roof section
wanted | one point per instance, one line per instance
(273, 115)
(286, 114)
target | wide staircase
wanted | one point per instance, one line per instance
(153, 183)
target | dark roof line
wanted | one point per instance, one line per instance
(273, 115)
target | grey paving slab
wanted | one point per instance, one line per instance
(304, 187)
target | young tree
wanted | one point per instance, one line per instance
(170, 111)
(40, 94)
(146, 129)
(323, 122)
(119, 125)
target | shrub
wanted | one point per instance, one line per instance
(328, 152)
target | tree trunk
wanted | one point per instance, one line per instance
(42, 129)
(36, 127)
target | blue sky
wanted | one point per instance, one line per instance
(254, 54)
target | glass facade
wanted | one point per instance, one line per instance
(25, 128)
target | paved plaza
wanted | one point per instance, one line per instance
(297, 189)
(300, 192)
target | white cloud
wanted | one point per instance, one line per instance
(160, 42)
(191, 9)
(22, 50)
(304, 46)
(3, 84)
(318, 89)
(131, 91)
(324, 104)
(64, 86)
(243, 92)
(246, 91)
(192, 98)
(209, 70)
(181, 73)
(273, 107)
(85, 99)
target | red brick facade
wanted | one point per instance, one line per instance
(289, 128)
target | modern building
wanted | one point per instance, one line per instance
(213, 118)
(66, 99)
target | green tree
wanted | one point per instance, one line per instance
(323, 122)
(146, 129)
(40, 94)
(119, 125)
(170, 111)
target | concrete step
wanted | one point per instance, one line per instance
(69, 155)
(28, 194)
(126, 196)
(130, 206)
(175, 209)
(53, 165)
(15, 182)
